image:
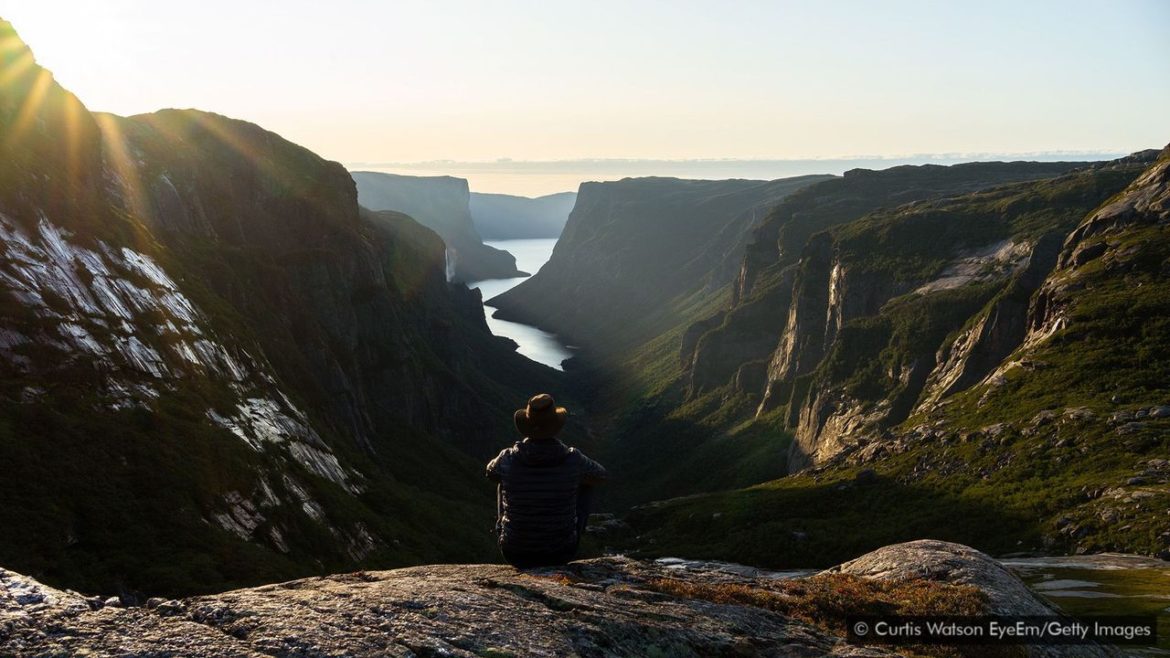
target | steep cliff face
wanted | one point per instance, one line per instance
(815, 299)
(929, 294)
(442, 204)
(1093, 326)
(744, 334)
(640, 249)
(995, 332)
(1109, 244)
(1015, 398)
(508, 217)
(1083, 398)
(335, 286)
(763, 291)
(216, 368)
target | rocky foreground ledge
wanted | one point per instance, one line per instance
(604, 607)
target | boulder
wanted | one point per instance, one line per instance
(950, 563)
(962, 565)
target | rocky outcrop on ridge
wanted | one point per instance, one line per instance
(602, 607)
(442, 204)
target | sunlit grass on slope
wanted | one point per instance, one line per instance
(829, 600)
(1032, 463)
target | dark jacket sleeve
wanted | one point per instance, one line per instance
(592, 473)
(495, 466)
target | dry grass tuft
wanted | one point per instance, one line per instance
(826, 601)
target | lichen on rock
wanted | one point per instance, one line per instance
(612, 606)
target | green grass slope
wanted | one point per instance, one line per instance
(1062, 448)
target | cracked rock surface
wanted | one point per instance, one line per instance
(590, 608)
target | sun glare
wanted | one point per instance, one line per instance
(117, 150)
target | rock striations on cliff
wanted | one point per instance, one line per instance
(877, 300)
(991, 365)
(218, 369)
(987, 338)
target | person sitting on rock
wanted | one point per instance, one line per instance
(544, 489)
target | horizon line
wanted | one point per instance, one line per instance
(953, 155)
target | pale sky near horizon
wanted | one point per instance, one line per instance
(408, 81)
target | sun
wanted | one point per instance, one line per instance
(76, 41)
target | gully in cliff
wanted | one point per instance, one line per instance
(544, 487)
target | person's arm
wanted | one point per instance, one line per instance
(493, 468)
(499, 510)
(592, 473)
(493, 473)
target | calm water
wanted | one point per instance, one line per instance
(540, 346)
(1109, 584)
(1088, 585)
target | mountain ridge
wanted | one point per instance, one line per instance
(443, 204)
(1028, 405)
(219, 369)
(610, 237)
(510, 217)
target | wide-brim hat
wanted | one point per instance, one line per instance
(541, 418)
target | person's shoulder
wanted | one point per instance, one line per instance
(577, 454)
(506, 454)
(509, 451)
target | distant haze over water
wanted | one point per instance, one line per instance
(536, 178)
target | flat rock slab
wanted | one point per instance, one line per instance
(590, 608)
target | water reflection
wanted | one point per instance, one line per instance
(538, 345)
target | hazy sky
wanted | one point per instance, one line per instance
(401, 81)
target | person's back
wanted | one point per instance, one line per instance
(543, 489)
